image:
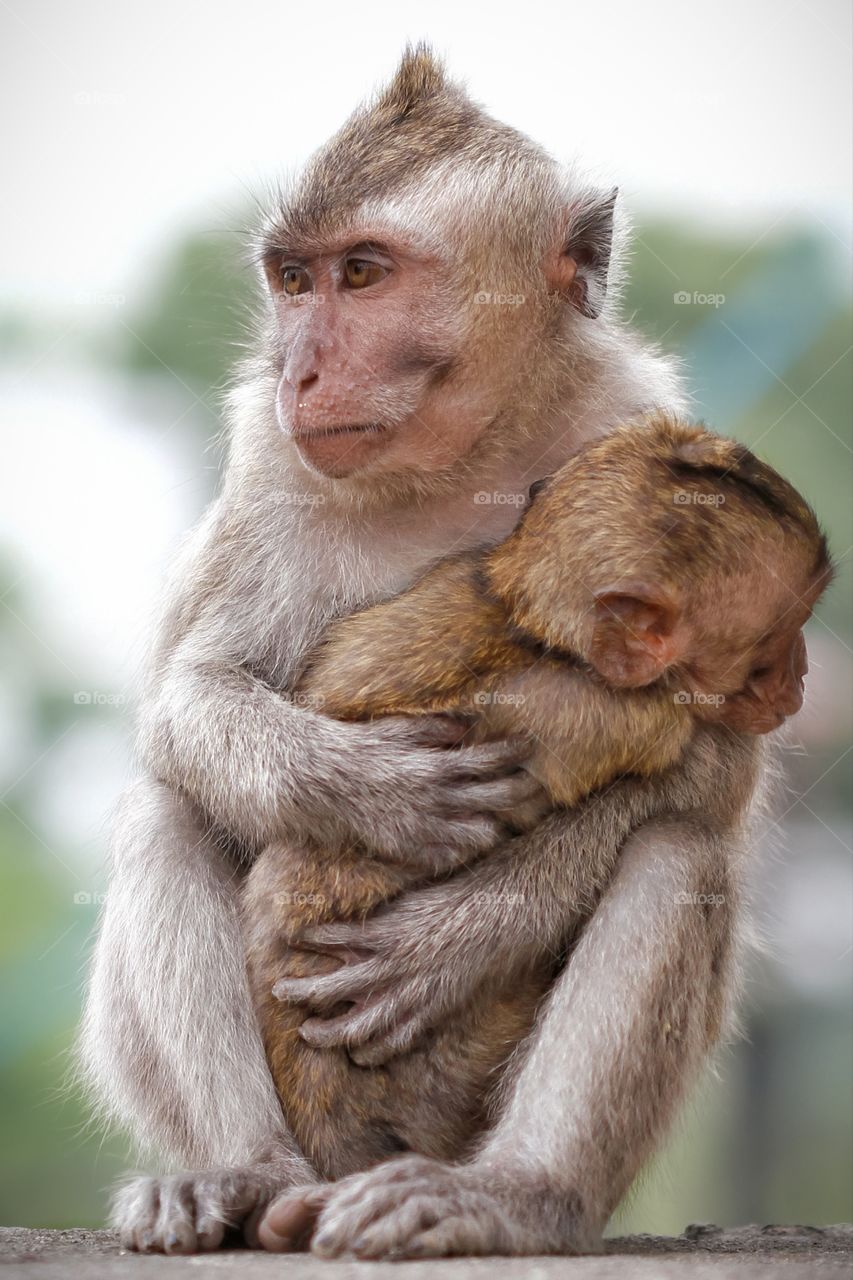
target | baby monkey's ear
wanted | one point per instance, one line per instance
(636, 633)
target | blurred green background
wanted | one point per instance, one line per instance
(764, 331)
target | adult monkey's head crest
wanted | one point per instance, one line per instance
(433, 278)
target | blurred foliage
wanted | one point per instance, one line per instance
(774, 1140)
(194, 324)
(809, 441)
(778, 350)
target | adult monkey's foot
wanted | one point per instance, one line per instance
(190, 1212)
(414, 1207)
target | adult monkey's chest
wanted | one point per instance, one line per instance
(331, 565)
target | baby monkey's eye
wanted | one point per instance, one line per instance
(361, 273)
(294, 280)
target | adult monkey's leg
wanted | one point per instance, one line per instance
(169, 1039)
(626, 1030)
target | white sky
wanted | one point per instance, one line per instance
(123, 121)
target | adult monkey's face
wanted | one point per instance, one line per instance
(375, 373)
(420, 273)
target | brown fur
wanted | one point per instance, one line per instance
(435, 1100)
(474, 637)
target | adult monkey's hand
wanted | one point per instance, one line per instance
(407, 790)
(407, 973)
(273, 769)
(411, 964)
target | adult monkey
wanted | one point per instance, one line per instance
(362, 434)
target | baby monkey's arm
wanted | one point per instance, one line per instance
(584, 733)
(423, 651)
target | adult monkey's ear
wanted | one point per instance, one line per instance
(578, 267)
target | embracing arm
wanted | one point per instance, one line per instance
(433, 950)
(262, 767)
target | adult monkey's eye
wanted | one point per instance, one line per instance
(361, 273)
(295, 280)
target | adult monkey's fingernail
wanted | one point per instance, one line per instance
(322, 1243)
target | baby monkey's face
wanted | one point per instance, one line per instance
(731, 642)
(751, 683)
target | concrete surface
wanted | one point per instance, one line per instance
(743, 1253)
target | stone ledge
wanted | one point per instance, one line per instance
(742, 1253)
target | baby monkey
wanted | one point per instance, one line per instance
(662, 576)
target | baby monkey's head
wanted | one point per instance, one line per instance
(663, 548)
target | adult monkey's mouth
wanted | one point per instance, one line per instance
(322, 433)
(341, 449)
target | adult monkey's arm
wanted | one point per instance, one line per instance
(433, 950)
(261, 766)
